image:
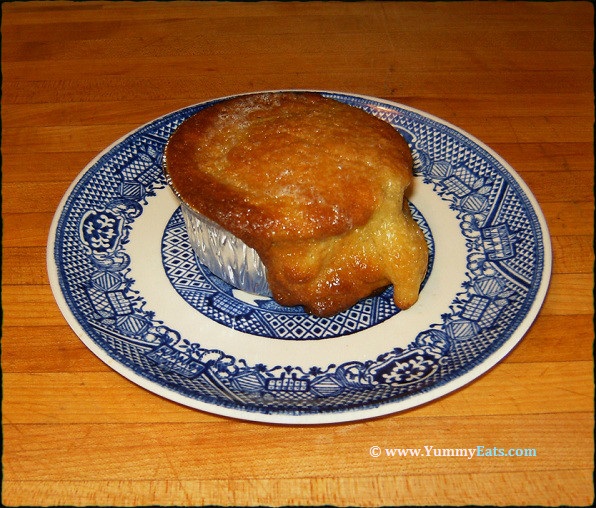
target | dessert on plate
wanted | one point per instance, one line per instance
(301, 197)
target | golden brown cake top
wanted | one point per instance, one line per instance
(291, 165)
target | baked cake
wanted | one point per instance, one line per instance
(314, 186)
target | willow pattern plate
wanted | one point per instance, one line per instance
(127, 282)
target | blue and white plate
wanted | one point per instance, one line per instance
(128, 283)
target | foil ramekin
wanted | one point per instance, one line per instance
(224, 254)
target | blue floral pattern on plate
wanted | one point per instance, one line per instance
(505, 281)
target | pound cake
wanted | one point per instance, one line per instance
(312, 186)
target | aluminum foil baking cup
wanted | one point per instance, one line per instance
(226, 256)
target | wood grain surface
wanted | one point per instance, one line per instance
(79, 75)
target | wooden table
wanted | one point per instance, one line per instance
(77, 76)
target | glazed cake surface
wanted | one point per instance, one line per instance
(315, 186)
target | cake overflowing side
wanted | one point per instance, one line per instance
(315, 186)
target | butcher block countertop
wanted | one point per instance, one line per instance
(77, 76)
